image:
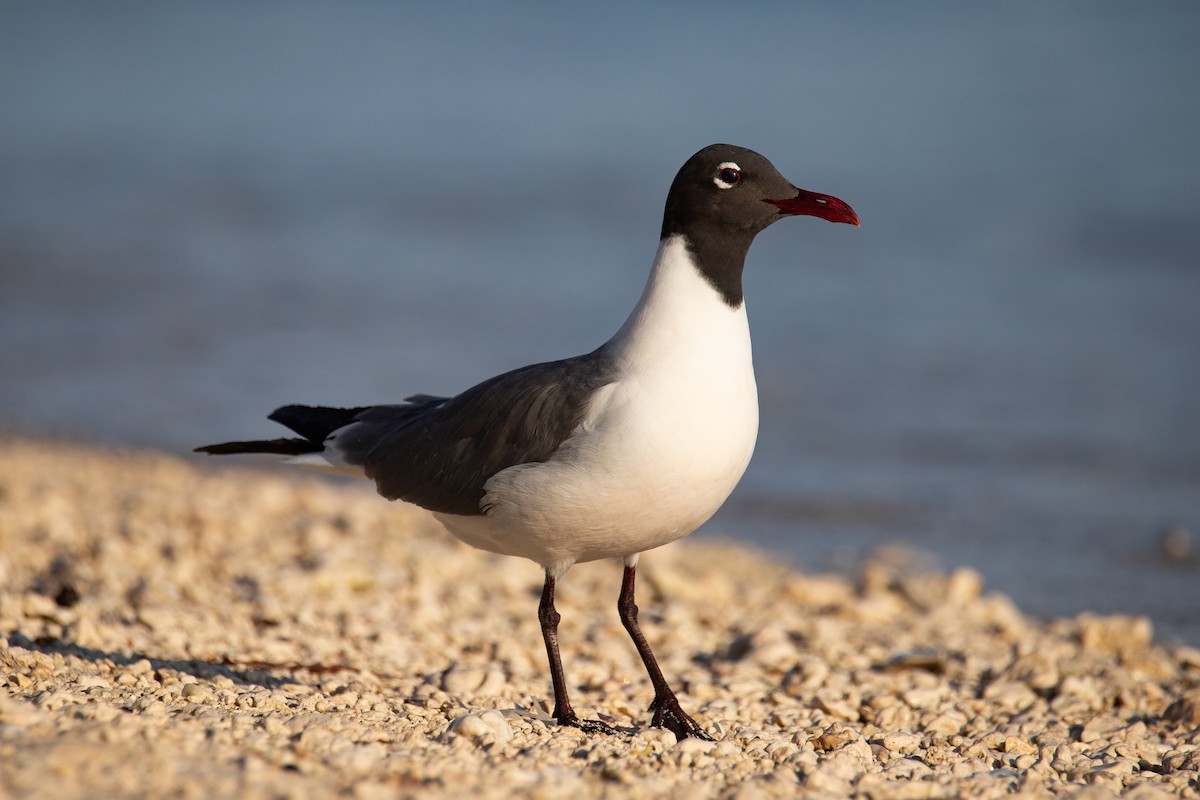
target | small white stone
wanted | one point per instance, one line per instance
(946, 723)
(659, 739)
(963, 586)
(923, 698)
(493, 683)
(89, 681)
(903, 743)
(693, 752)
(480, 724)
(1010, 695)
(727, 748)
(459, 679)
(1100, 728)
(1013, 744)
(197, 693)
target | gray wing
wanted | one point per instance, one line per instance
(438, 453)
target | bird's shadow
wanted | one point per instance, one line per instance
(261, 673)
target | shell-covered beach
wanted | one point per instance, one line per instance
(171, 629)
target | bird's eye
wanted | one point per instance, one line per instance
(728, 174)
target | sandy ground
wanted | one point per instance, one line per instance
(183, 631)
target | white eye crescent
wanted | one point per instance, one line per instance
(728, 175)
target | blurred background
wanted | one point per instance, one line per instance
(209, 210)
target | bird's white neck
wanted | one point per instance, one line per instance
(681, 312)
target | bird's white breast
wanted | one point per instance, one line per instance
(661, 447)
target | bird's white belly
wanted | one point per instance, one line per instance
(660, 449)
(634, 482)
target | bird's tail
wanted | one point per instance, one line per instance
(314, 423)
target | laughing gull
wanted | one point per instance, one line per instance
(603, 455)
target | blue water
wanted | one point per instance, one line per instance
(210, 210)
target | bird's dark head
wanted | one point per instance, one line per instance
(732, 190)
(722, 197)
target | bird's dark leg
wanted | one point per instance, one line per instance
(548, 616)
(667, 713)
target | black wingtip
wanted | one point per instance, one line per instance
(314, 423)
(281, 447)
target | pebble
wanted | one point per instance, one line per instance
(923, 699)
(1019, 746)
(196, 693)
(899, 742)
(248, 634)
(1010, 695)
(1184, 712)
(945, 724)
(481, 726)
(459, 679)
